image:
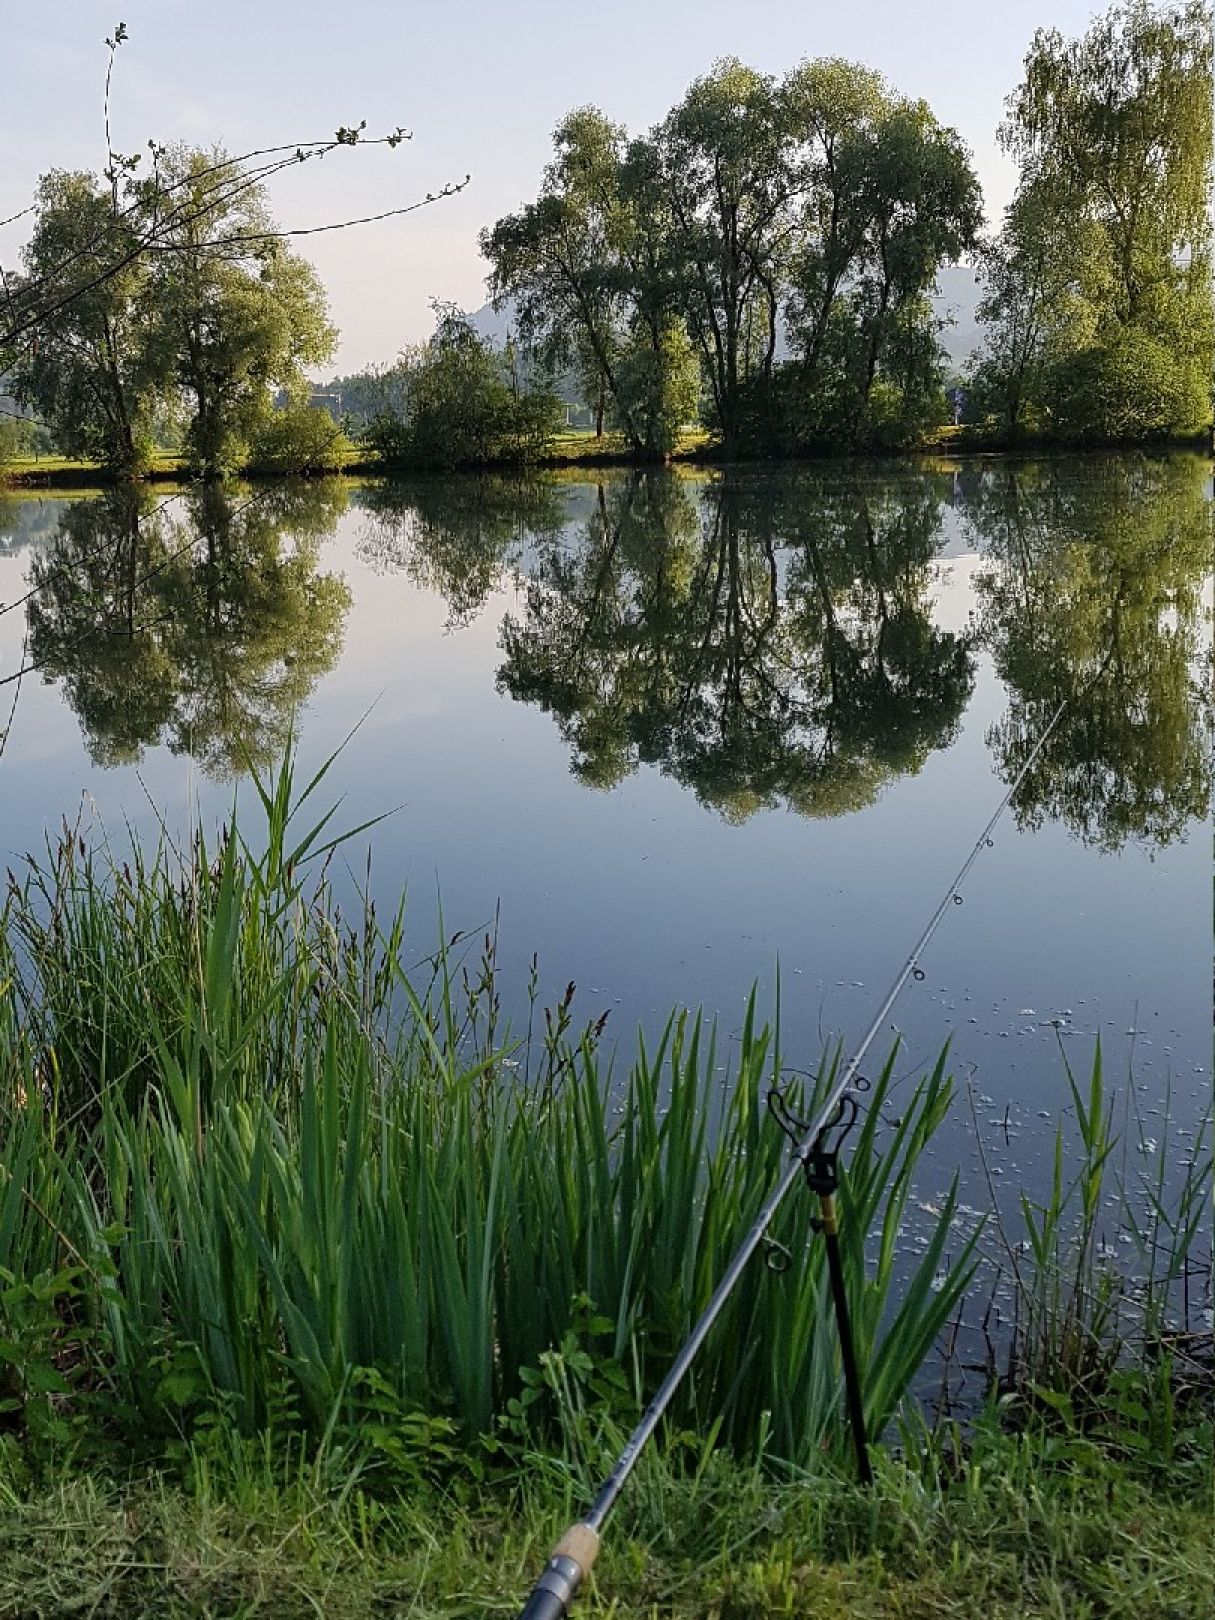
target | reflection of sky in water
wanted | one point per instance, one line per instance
(646, 899)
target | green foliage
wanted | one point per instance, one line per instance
(903, 201)
(18, 438)
(233, 314)
(1101, 1363)
(1132, 387)
(822, 192)
(291, 1182)
(658, 387)
(569, 261)
(466, 405)
(193, 338)
(1099, 286)
(300, 439)
(359, 397)
(90, 373)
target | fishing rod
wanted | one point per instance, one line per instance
(814, 1157)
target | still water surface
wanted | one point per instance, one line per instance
(679, 731)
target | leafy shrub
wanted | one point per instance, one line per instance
(659, 387)
(897, 420)
(1130, 387)
(301, 439)
(18, 437)
(465, 408)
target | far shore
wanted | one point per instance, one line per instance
(574, 451)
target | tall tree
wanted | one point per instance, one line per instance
(1114, 131)
(832, 108)
(234, 314)
(88, 369)
(722, 154)
(559, 258)
(893, 196)
(925, 211)
(1032, 309)
(822, 198)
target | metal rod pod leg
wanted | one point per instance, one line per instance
(852, 1376)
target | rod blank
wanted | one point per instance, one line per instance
(556, 1588)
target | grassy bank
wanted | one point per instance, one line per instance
(320, 1283)
(254, 1166)
(1020, 1537)
(573, 450)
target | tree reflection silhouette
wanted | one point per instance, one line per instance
(207, 647)
(772, 645)
(457, 535)
(1093, 596)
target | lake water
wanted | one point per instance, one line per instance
(679, 731)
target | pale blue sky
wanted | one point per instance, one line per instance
(480, 85)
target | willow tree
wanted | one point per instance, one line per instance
(821, 202)
(559, 258)
(1092, 594)
(722, 154)
(86, 368)
(1114, 131)
(235, 315)
(925, 210)
(1033, 311)
(833, 108)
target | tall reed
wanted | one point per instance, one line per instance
(1110, 1273)
(254, 1167)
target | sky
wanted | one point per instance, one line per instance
(479, 85)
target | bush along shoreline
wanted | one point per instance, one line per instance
(302, 1253)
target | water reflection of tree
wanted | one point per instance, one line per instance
(208, 646)
(772, 646)
(1096, 598)
(457, 536)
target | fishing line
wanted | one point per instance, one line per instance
(576, 1551)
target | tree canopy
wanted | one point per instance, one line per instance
(198, 330)
(812, 212)
(1099, 287)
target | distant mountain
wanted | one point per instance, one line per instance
(957, 294)
(492, 324)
